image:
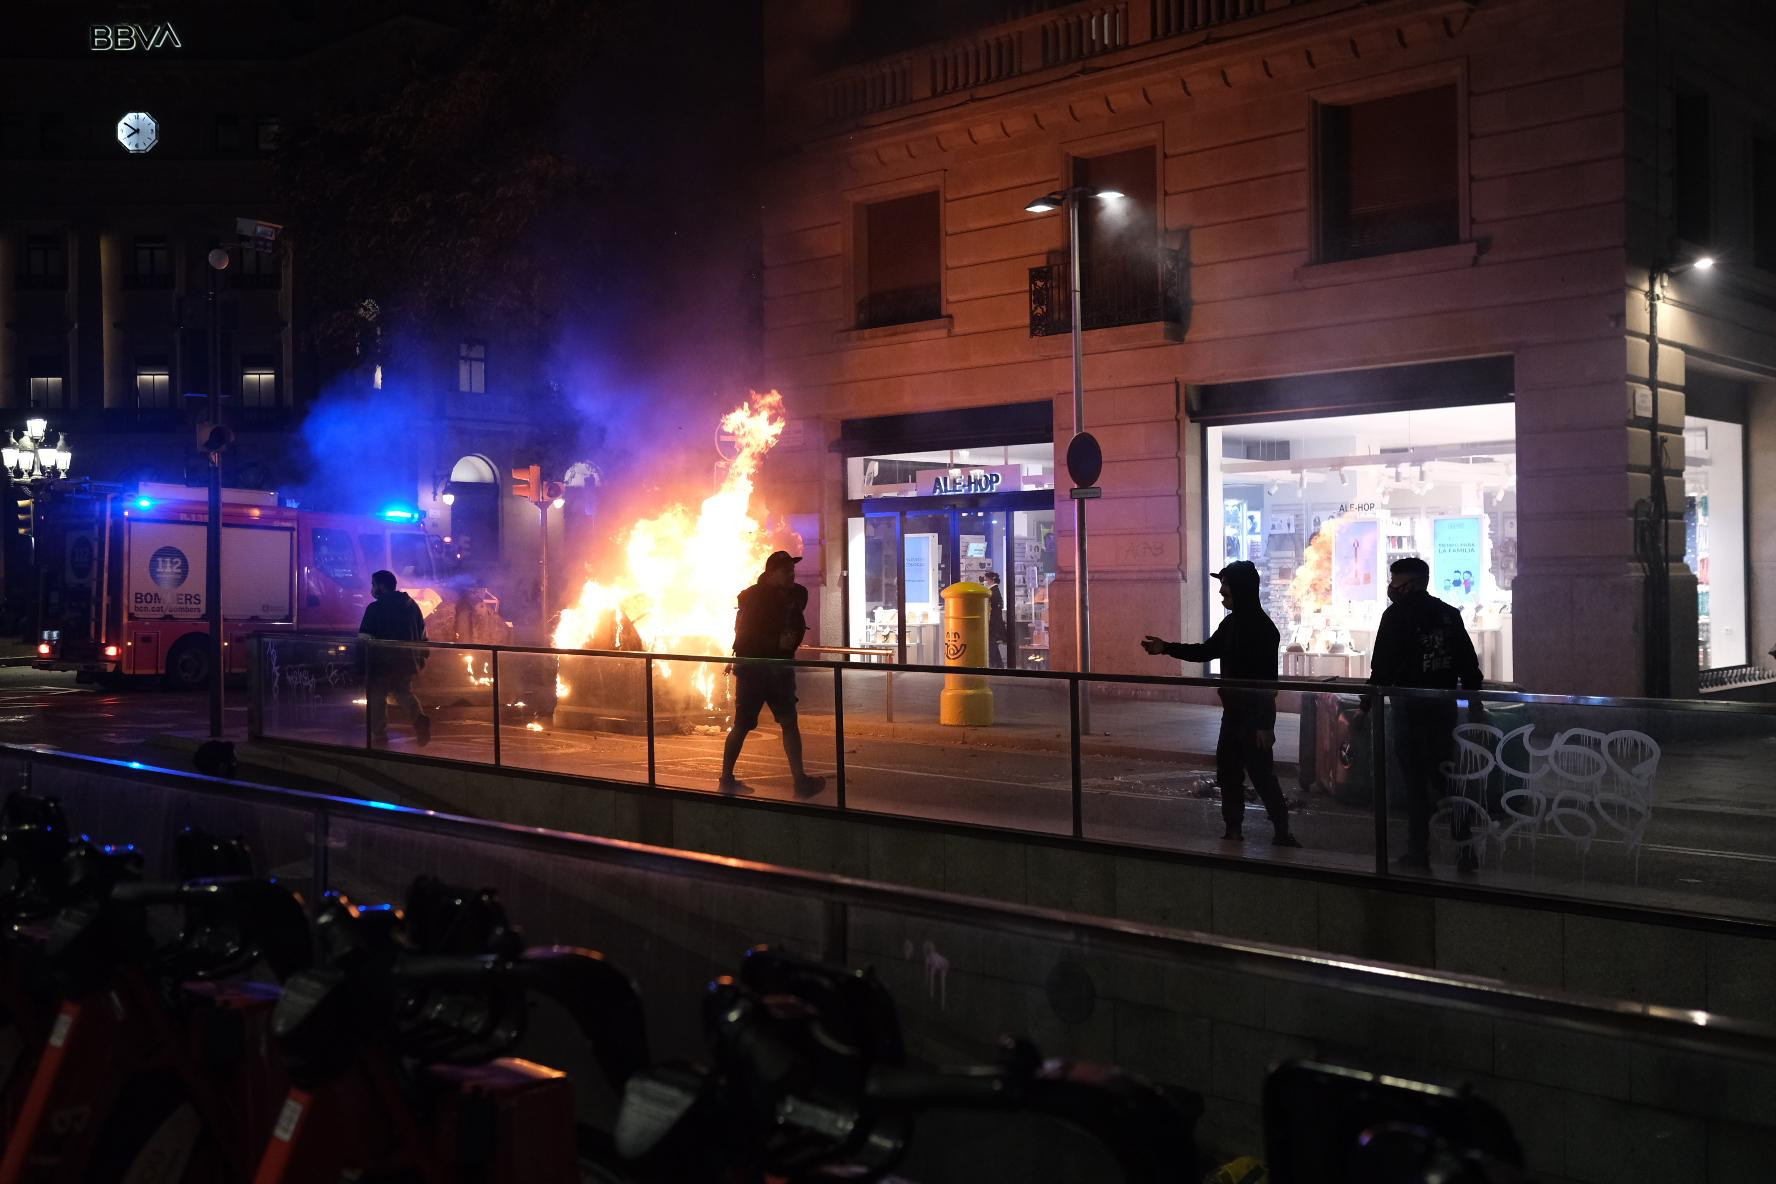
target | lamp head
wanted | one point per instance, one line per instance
(36, 428)
(1109, 194)
(1705, 263)
(1047, 202)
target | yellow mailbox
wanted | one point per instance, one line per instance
(967, 700)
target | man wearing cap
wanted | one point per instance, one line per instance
(769, 624)
(1246, 643)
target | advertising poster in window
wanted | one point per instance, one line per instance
(1455, 559)
(920, 589)
(1356, 560)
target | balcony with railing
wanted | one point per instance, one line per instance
(1109, 296)
(1050, 36)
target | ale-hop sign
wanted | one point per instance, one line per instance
(942, 482)
(132, 38)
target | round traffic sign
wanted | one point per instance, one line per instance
(1085, 459)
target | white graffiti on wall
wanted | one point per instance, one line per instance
(1585, 786)
(937, 972)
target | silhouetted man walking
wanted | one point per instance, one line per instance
(769, 623)
(1246, 643)
(392, 616)
(1421, 642)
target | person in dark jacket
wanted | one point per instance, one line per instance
(1421, 642)
(769, 623)
(393, 616)
(996, 631)
(1246, 643)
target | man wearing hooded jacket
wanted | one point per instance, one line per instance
(1246, 644)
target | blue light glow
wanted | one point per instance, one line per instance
(401, 514)
(144, 503)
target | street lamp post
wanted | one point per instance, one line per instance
(1085, 486)
(217, 441)
(33, 462)
(1654, 545)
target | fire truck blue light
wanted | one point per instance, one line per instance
(402, 514)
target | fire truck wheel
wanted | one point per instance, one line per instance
(188, 665)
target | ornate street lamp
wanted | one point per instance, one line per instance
(29, 457)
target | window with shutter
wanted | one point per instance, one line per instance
(1389, 175)
(900, 281)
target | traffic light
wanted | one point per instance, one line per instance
(552, 493)
(24, 514)
(527, 483)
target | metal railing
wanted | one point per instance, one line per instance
(1643, 803)
(961, 968)
(1110, 295)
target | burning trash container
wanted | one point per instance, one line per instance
(967, 700)
(607, 694)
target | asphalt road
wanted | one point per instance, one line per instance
(1701, 850)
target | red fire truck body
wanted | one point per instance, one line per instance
(122, 576)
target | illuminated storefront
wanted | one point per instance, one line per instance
(972, 494)
(1323, 504)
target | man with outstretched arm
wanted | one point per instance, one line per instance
(1246, 644)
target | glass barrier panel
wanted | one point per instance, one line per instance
(670, 934)
(1648, 1096)
(1000, 756)
(698, 701)
(436, 700)
(120, 809)
(1655, 806)
(1180, 1016)
(577, 714)
(1155, 756)
(312, 689)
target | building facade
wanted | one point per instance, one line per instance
(106, 223)
(1378, 280)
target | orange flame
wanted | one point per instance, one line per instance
(682, 569)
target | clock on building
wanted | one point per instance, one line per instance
(137, 131)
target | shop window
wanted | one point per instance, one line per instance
(1119, 255)
(151, 262)
(471, 367)
(1714, 538)
(901, 260)
(334, 556)
(1325, 517)
(154, 383)
(258, 382)
(1388, 175)
(44, 265)
(268, 132)
(1763, 205)
(1694, 192)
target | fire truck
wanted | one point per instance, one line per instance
(121, 578)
